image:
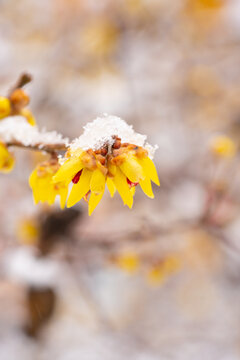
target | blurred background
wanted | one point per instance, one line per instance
(160, 281)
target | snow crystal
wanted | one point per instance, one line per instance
(17, 129)
(101, 131)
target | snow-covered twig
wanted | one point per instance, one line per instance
(15, 131)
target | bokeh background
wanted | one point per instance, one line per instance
(161, 281)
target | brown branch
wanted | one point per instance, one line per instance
(23, 80)
(49, 148)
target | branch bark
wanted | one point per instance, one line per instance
(49, 148)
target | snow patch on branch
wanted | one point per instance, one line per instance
(101, 131)
(17, 129)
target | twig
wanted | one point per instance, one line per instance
(23, 80)
(49, 148)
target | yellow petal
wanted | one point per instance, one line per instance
(147, 187)
(33, 179)
(97, 183)
(46, 192)
(121, 184)
(149, 169)
(68, 170)
(35, 197)
(5, 107)
(7, 160)
(63, 196)
(29, 116)
(49, 196)
(132, 169)
(112, 169)
(133, 190)
(80, 189)
(94, 201)
(111, 186)
(8, 164)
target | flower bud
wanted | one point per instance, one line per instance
(19, 99)
(5, 107)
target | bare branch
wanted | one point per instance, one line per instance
(23, 80)
(49, 148)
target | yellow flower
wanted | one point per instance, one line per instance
(7, 160)
(156, 276)
(44, 190)
(99, 38)
(121, 166)
(223, 146)
(28, 231)
(159, 273)
(128, 262)
(5, 107)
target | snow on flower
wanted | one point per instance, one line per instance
(100, 132)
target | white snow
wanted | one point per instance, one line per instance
(95, 135)
(23, 266)
(101, 131)
(16, 128)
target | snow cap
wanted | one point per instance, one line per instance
(101, 131)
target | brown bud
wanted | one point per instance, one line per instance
(118, 160)
(19, 99)
(101, 159)
(90, 151)
(117, 144)
(104, 151)
(89, 161)
(116, 152)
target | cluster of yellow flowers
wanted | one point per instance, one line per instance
(156, 274)
(161, 271)
(15, 104)
(121, 166)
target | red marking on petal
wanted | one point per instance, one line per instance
(76, 178)
(86, 196)
(131, 184)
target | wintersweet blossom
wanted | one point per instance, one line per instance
(128, 262)
(44, 190)
(108, 153)
(161, 271)
(7, 160)
(223, 146)
(28, 231)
